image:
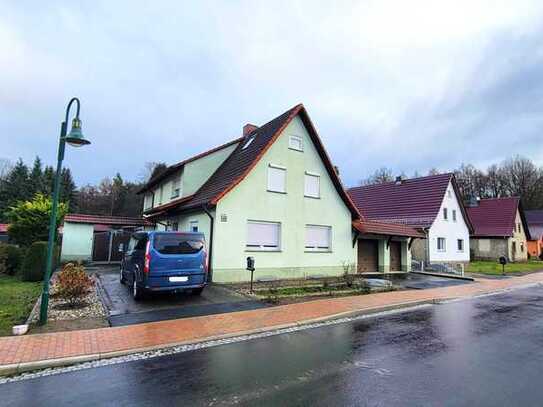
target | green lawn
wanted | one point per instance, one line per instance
(16, 301)
(493, 267)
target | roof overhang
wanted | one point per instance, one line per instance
(369, 227)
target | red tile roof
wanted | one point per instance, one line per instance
(105, 220)
(4, 228)
(414, 202)
(384, 228)
(495, 217)
(173, 168)
(236, 167)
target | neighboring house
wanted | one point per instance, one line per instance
(96, 237)
(499, 229)
(535, 227)
(4, 233)
(432, 205)
(272, 194)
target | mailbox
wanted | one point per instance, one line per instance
(251, 263)
(503, 260)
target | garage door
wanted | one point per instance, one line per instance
(367, 256)
(395, 256)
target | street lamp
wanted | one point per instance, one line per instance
(74, 138)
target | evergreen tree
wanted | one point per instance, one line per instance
(14, 188)
(67, 189)
(48, 179)
(36, 184)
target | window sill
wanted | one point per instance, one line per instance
(312, 197)
(296, 149)
(263, 250)
(277, 192)
(317, 251)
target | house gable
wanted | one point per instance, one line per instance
(250, 200)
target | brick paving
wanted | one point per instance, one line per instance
(101, 341)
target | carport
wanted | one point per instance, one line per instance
(383, 247)
(96, 237)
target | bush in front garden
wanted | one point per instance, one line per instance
(33, 266)
(73, 284)
(11, 257)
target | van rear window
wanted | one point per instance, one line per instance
(176, 244)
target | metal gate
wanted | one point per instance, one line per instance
(108, 246)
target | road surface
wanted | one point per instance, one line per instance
(480, 352)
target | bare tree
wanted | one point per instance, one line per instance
(522, 178)
(380, 176)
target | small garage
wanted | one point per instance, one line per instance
(383, 247)
(368, 256)
(96, 237)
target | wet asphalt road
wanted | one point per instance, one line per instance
(482, 352)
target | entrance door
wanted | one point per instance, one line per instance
(395, 256)
(120, 243)
(367, 256)
(100, 247)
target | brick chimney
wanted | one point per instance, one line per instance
(248, 128)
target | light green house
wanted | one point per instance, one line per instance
(272, 194)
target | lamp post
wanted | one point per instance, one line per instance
(74, 138)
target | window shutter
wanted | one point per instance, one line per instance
(276, 179)
(317, 237)
(263, 235)
(312, 185)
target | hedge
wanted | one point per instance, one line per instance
(11, 258)
(33, 267)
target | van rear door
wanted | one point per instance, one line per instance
(177, 255)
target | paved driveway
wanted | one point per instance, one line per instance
(123, 310)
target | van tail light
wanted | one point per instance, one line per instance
(147, 261)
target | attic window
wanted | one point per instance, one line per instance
(248, 142)
(296, 143)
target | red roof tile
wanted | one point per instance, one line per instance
(495, 217)
(4, 228)
(236, 167)
(385, 228)
(173, 168)
(414, 202)
(104, 220)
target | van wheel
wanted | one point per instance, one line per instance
(197, 291)
(122, 280)
(137, 292)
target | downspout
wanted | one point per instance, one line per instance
(210, 258)
(427, 259)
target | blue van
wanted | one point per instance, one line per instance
(164, 261)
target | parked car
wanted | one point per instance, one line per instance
(164, 261)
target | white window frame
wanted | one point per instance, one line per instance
(192, 224)
(298, 139)
(309, 175)
(444, 248)
(273, 168)
(263, 248)
(318, 249)
(176, 187)
(457, 245)
(445, 214)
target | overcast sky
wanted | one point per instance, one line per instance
(407, 85)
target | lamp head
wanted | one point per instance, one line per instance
(75, 137)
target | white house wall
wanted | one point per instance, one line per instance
(450, 230)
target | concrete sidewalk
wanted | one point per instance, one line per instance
(24, 353)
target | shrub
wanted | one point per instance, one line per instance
(73, 284)
(10, 258)
(33, 266)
